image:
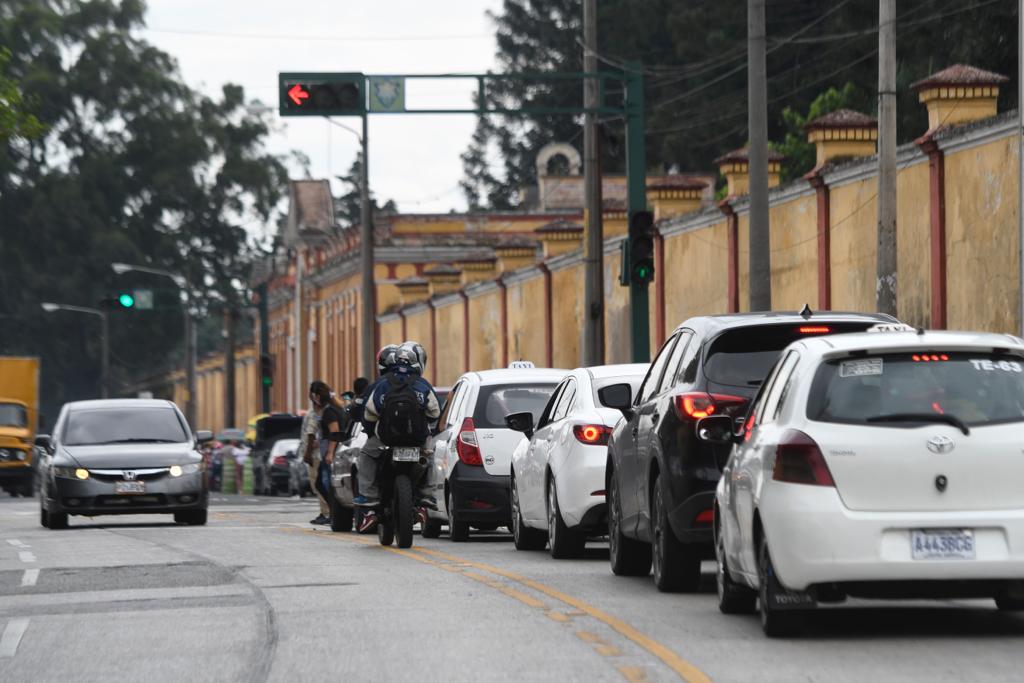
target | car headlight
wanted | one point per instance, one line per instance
(71, 472)
(190, 468)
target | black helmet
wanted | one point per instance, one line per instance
(386, 357)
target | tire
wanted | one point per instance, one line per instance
(403, 514)
(733, 598)
(525, 538)
(386, 532)
(775, 623)
(1010, 604)
(432, 529)
(458, 530)
(341, 516)
(676, 567)
(629, 557)
(191, 517)
(564, 543)
(57, 520)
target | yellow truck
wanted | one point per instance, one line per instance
(19, 414)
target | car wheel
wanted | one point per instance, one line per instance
(1010, 604)
(525, 538)
(191, 517)
(565, 543)
(57, 520)
(432, 529)
(341, 516)
(733, 597)
(458, 530)
(776, 623)
(629, 557)
(675, 569)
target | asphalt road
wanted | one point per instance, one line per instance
(259, 594)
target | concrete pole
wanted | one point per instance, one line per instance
(368, 331)
(230, 419)
(105, 351)
(757, 115)
(885, 289)
(593, 330)
(190, 361)
(298, 336)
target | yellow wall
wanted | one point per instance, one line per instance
(485, 323)
(794, 244)
(913, 242)
(450, 363)
(616, 313)
(391, 332)
(567, 300)
(697, 267)
(743, 261)
(854, 221)
(526, 330)
(417, 327)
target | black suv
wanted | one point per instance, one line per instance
(660, 477)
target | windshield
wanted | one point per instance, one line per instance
(904, 389)
(743, 357)
(13, 415)
(123, 425)
(497, 401)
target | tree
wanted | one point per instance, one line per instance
(799, 153)
(15, 117)
(347, 207)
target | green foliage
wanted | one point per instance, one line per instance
(132, 166)
(15, 117)
(799, 153)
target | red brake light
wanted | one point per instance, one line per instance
(280, 460)
(695, 405)
(592, 435)
(467, 446)
(798, 460)
(706, 517)
(928, 357)
(814, 329)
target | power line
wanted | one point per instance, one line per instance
(316, 37)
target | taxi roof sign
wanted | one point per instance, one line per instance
(891, 327)
(521, 365)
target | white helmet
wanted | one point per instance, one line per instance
(386, 357)
(406, 357)
(421, 353)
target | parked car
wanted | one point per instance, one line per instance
(269, 430)
(558, 474)
(661, 477)
(282, 465)
(473, 449)
(878, 466)
(124, 456)
(344, 480)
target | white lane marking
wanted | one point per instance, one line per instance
(30, 577)
(17, 544)
(11, 638)
(253, 500)
(26, 556)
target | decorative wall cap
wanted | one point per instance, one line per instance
(959, 75)
(842, 118)
(478, 264)
(413, 282)
(742, 155)
(441, 270)
(509, 250)
(675, 182)
(613, 204)
(560, 229)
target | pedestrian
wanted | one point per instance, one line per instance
(309, 447)
(241, 456)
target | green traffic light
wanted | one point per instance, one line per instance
(126, 300)
(267, 381)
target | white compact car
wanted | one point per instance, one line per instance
(473, 450)
(878, 465)
(558, 476)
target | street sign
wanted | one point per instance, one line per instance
(387, 94)
(323, 94)
(143, 299)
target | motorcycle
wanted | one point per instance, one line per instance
(399, 471)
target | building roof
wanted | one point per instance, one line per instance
(561, 225)
(842, 118)
(959, 74)
(442, 269)
(676, 181)
(313, 205)
(566, 192)
(743, 155)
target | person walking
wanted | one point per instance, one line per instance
(309, 447)
(240, 455)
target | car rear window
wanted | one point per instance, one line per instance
(123, 425)
(495, 401)
(975, 388)
(742, 357)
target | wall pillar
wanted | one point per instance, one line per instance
(937, 232)
(433, 341)
(823, 200)
(732, 227)
(465, 331)
(504, 322)
(549, 315)
(659, 287)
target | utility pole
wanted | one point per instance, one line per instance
(369, 317)
(296, 383)
(593, 334)
(885, 285)
(757, 124)
(229, 367)
(264, 311)
(1020, 158)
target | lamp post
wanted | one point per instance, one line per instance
(190, 345)
(104, 339)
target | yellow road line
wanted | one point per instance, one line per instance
(634, 674)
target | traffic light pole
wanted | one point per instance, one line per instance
(636, 200)
(264, 311)
(368, 333)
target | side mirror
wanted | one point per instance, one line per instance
(520, 422)
(291, 455)
(717, 429)
(204, 435)
(617, 396)
(45, 442)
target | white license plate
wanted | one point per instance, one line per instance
(942, 544)
(129, 487)
(405, 455)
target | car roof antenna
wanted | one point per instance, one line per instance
(806, 312)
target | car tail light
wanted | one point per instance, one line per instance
(798, 460)
(814, 329)
(280, 460)
(592, 435)
(695, 405)
(467, 446)
(706, 517)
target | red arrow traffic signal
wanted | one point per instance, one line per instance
(297, 94)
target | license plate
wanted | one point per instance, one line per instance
(942, 544)
(129, 487)
(405, 455)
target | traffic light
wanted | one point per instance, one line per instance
(267, 370)
(126, 300)
(641, 247)
(322, 94)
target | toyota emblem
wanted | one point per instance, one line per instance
(941, 444)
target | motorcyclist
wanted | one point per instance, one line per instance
(408, 363)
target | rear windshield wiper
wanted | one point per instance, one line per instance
(140, 441)
(923, 417)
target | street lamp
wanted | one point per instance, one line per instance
(104, 338)
(190, 351)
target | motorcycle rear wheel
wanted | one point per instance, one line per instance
(403, 516)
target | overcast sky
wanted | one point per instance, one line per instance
(414, 159)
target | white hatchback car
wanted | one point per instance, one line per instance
(886, 465)
(473, 450)
(558, 476)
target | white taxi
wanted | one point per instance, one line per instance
(886, 465)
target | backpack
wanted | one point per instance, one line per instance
(402, 420)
